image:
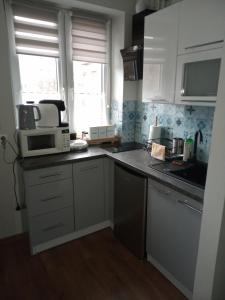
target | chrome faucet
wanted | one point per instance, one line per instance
(198, 139)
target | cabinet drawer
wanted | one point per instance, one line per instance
(50, 174)
(47, 227)
(49, 196)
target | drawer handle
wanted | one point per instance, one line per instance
(53, 227)
(51, 198)
(190, 206)
(204, 44)
(89, 168)
(194, 101)
(50, 175)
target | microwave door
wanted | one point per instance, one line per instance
(41, 142)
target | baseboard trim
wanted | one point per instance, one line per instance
(170, 277)
(69, 237)
(111, 225)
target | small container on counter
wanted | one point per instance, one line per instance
(175, 145)
(188, 148)
(178, 145)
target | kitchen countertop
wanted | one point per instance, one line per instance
(138, 160)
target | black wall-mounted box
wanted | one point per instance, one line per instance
(138, 27)
(133, 56)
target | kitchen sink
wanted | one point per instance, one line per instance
(195, 174)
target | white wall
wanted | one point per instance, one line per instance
(210, 271)
(7, 126)
(118, 42)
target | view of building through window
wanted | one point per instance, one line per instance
(89, 95)
(39, 78)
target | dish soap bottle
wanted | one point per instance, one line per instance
(188, 149)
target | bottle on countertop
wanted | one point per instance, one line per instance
(188, 149)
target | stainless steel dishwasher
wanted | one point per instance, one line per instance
(130, 200)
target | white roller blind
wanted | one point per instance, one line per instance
(36, 30)
(89, 40)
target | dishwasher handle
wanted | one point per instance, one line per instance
(185, 203)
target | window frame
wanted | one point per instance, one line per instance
(69, 65)
(65, 61)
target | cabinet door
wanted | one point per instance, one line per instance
(89, 194)
(160, 52)
(202, 22)
(173, 232)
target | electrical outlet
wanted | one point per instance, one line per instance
(3, 138)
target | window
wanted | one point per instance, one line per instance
(45, 69)
(89, 48)
(39, 78)
(37, 46)
(89, 95)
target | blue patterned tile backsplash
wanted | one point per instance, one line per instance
(133, 120)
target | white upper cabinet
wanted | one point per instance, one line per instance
(160, 54)
(197, 77)
(202, 24)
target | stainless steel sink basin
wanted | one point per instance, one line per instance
(195, 174)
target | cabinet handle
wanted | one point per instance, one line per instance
(156, 100)
(165, 192)
(204, 44)
(190, 206)
(50, 175)
(58, 225)
(203, 101)
(89, 168)
(51, 198)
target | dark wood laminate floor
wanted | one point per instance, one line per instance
(95, 267)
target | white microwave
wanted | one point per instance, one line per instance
(198, 76)
(43, 141)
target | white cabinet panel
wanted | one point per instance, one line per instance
(198, 77)
(49, 174)
(49, 197)
(160, 52)
(52, 225)
(89, 193)
(173, 228)
(202, 22)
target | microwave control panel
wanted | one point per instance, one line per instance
(65, 140)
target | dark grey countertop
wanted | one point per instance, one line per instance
(138, 160)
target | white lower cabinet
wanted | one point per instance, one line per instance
(67, 201)
(173, 228)
(89, 193)
(49, 200)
